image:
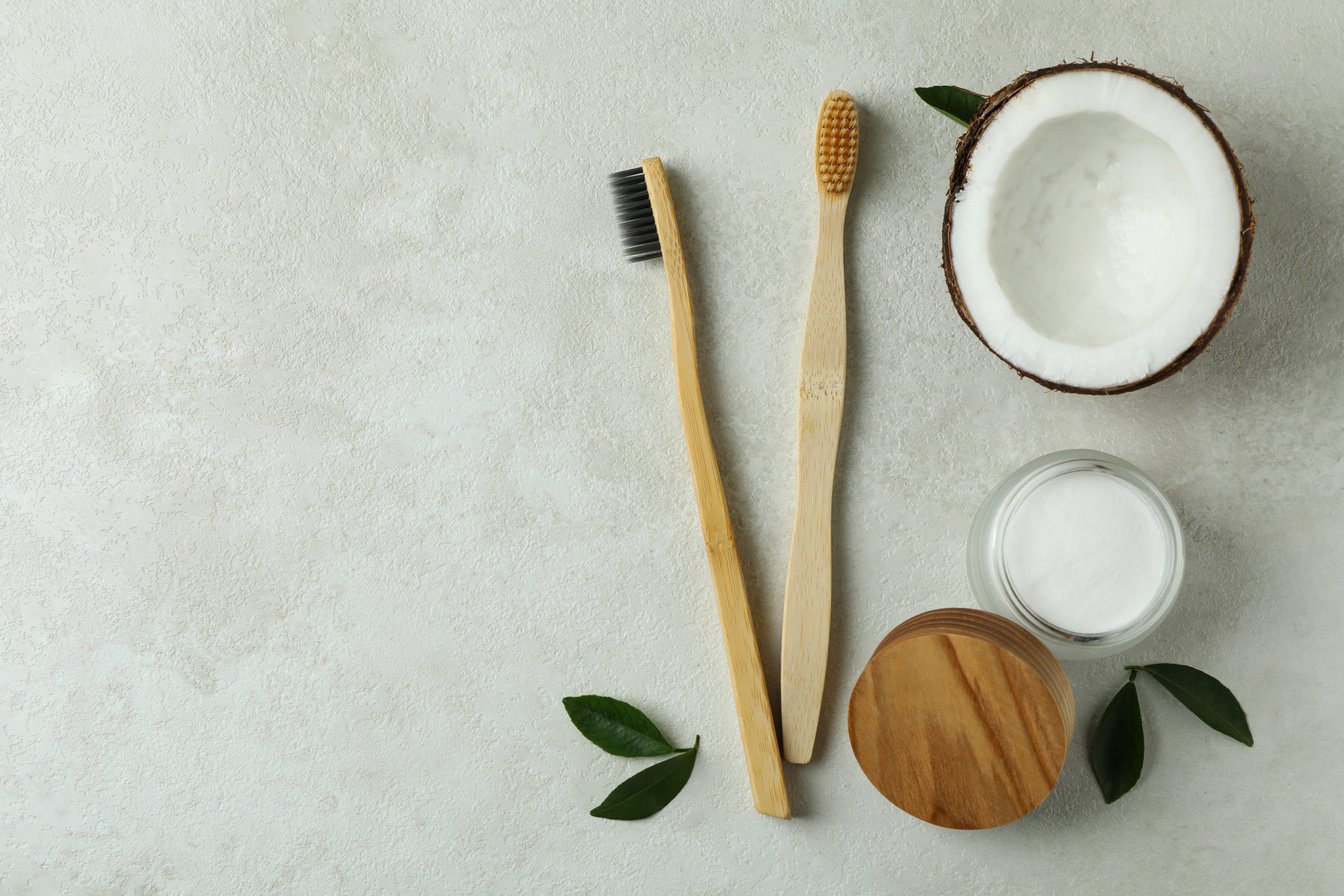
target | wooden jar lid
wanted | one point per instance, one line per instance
(962, 718)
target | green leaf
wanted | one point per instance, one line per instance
(643, 794)
(1205, 696)
(617, 727)
(954, 102)
(1117, 744)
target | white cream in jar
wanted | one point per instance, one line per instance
(1082, 549)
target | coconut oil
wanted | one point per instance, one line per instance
(1082, 549)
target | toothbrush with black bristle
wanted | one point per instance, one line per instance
(648, 231)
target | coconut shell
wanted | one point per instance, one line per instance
(961, 167)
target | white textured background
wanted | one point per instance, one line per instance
(336, 445)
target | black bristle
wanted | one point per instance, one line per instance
(634, 214)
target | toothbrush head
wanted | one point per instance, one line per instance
(634, 214)
(837, 142)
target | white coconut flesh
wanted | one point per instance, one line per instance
(1098, 229)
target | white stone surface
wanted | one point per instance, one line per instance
(338, 445)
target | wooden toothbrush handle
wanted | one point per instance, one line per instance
(821, 397)
(754, 717)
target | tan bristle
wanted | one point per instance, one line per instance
(837, 142)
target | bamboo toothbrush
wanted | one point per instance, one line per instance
(649, 230)
(821, 397)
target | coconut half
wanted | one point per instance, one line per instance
(1097, 228)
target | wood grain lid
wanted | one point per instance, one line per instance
(962, 718)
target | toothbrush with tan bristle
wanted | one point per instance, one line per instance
(821, 398)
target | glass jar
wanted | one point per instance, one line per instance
(993, 577)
